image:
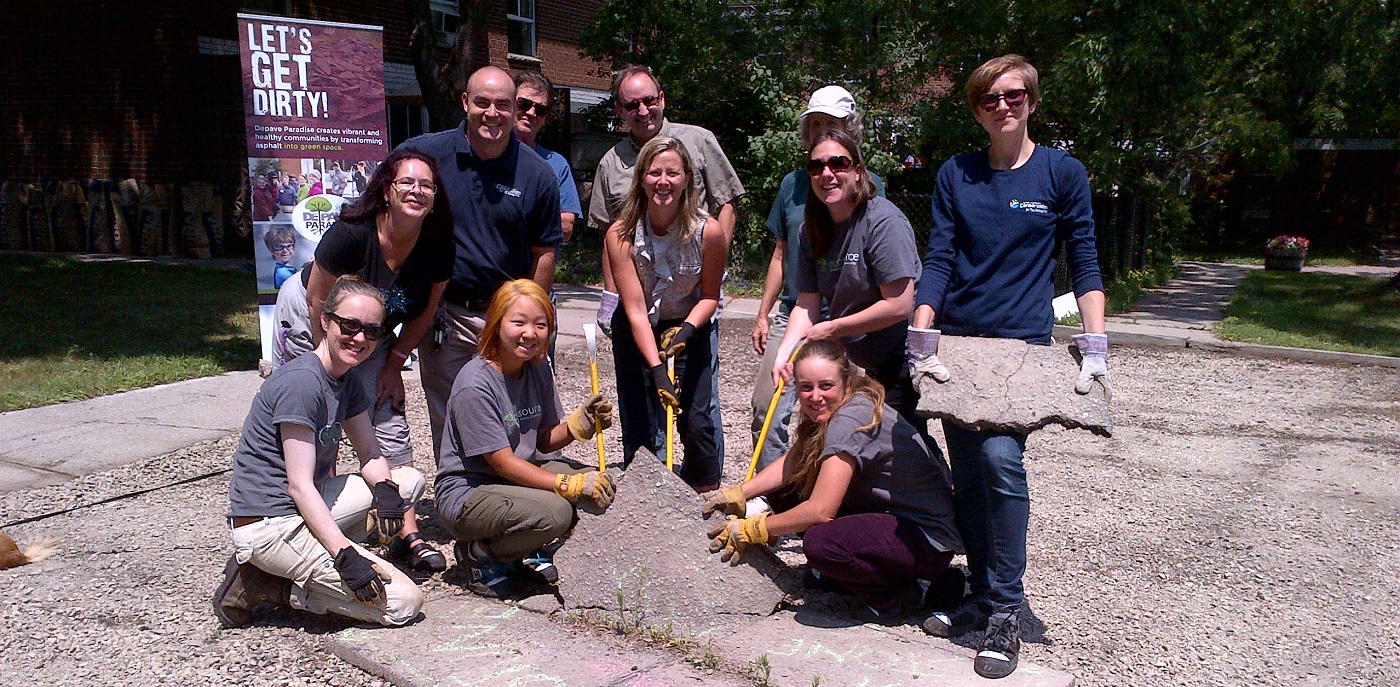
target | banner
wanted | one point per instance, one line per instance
(313, 103)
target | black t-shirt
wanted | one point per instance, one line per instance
(350, 248)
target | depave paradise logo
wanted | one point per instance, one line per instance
(1029, 206)
(329, 435)
(313, 216)
(523, 414)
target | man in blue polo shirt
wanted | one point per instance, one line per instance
(505, 211)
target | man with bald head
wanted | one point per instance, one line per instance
(505, 211)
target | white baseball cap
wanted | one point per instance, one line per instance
(832, 100)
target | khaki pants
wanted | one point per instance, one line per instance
(510, 521)
(439, 364)
(284, 546)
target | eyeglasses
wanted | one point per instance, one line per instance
(351, 327)
(527, 106)
(1014, 98)
(634, 105)
(836, 163)
(280, 247)
(406, 184)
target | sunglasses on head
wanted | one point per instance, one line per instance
(528, 106)
(634, 105)
(351, 327)
(836, 163)
(1014, 98)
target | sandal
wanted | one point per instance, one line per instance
(419, 554)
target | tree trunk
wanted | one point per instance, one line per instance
(442, 73)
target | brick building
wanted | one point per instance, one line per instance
(121, 125)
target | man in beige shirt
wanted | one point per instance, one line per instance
(641, 105)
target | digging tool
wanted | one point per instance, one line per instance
(671, 419)
(590, 333)
(762, 437)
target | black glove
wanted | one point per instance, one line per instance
(359, 575)
(673, 340)
(665, 389)
(386, 511)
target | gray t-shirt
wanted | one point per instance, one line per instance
(299, 393)
(874, 247)
(486, 412)
(896, 472)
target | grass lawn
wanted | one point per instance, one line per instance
(1313, 310)
(82, 329)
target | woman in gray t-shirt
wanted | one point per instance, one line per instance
(297, 527)
(870, 496)
(504, 500)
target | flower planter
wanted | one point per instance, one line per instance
(1291, 263)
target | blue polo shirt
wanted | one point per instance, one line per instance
(568, 190)
(501, 208)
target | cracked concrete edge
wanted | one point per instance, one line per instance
(1246, 349)
(361, 659)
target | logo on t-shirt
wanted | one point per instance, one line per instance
(329, 435)
(512, 192)
(853, 258)
(1037, 207)
(522, 415)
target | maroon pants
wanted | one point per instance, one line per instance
(877, 556)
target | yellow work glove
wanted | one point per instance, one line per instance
(592, 484)
(732, 536)
(594, 413)
(673, 340)
(729, 501)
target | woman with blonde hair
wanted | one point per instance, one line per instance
(668, 259)
(870, 496)
(504, 500)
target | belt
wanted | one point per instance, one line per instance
(238, 521)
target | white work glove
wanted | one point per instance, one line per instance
(1093, 363)
(921, 350)
(606, 307)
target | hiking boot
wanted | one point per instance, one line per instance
(418, 553)
(491, 580)
(538, 567)
(951, 622)
(997, 652)
(244, 587)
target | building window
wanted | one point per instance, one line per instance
(520, 27)
(445, 21)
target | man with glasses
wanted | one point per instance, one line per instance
(534, 103)
(505, 210)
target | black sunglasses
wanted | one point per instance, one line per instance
(1014, 98)
(634, 105)
(526, 106)
(836, 163)
(351, 327)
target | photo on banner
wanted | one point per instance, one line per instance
(316, 125)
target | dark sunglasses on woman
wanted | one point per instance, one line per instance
(836, 163)
(351, 327)
(1014, 98)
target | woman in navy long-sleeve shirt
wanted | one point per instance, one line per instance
(999, 216)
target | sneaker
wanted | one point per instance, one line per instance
(539, 567)
(244, 587)
(491, 580)
(951, 622)
(418, 553)
(997, 652)
(946, 589)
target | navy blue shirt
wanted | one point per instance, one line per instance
(501, 208)
(990, 265)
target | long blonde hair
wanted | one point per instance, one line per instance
(634, 206)
(805, 458)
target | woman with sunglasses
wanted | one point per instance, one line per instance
(297, 527)
(858, 255)
(999, 217)
(506, 501)
(869, 494)
(668, 259)
(398, 237)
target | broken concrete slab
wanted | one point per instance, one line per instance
(647, 561)
(1011, 386)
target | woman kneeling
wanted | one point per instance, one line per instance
(872, 498)
(295, 524)
(503, 501)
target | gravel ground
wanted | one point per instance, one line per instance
(1240, 528)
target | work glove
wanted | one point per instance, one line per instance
(1093, 363)
(595, 413)
(385, 517)
(359, 575)
(673, 340)
(729, 501)
(665, 389)
(921, 350)
(592, 484)
(732, 536)
(606, 307)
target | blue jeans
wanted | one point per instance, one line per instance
(992, 503)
